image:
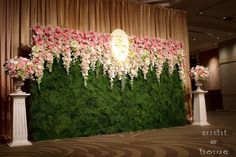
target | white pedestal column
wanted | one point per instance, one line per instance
(20, 131)
(199, 112)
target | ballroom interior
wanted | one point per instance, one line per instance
(203, 31)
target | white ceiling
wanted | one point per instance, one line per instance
(209, 21)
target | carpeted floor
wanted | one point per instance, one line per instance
(192, 141)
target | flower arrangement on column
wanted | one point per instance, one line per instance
(19, 69)
(199, 74)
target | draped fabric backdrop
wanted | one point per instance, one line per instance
(17, 16)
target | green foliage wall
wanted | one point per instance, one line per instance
(64, 107)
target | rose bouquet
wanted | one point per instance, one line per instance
(19, 68)
(199, 73)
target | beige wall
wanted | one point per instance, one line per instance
(210, 59)
(227, 61)
(213, 97)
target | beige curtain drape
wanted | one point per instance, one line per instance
(17, 16)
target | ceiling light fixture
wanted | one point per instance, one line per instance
(194, 38)
(217, 38)
(200, 13)
(227, 18)
(210, 34)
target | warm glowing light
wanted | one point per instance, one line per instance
(119, 45)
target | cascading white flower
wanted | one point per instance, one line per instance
(94, 49)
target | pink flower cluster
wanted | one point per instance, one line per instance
(92, 48)
(155, 52)
(20, 67)
(199, 73)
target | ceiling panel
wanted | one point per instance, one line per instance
(206, 25)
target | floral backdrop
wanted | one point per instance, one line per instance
(94, 49)
(64, 60)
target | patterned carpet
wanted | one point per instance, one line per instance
(192, 141)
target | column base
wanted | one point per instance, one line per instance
(201, 123)
(19, 143)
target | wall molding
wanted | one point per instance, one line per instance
(227, 60)
(228, 92)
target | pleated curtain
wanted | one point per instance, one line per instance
(17, 17)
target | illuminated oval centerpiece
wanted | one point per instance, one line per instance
(119, 45)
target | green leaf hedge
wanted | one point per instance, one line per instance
(64, 107)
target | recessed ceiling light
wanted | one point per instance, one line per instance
(227, 18)
(200, 13)
(217, 38)
(194, 38)
(210, 34)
